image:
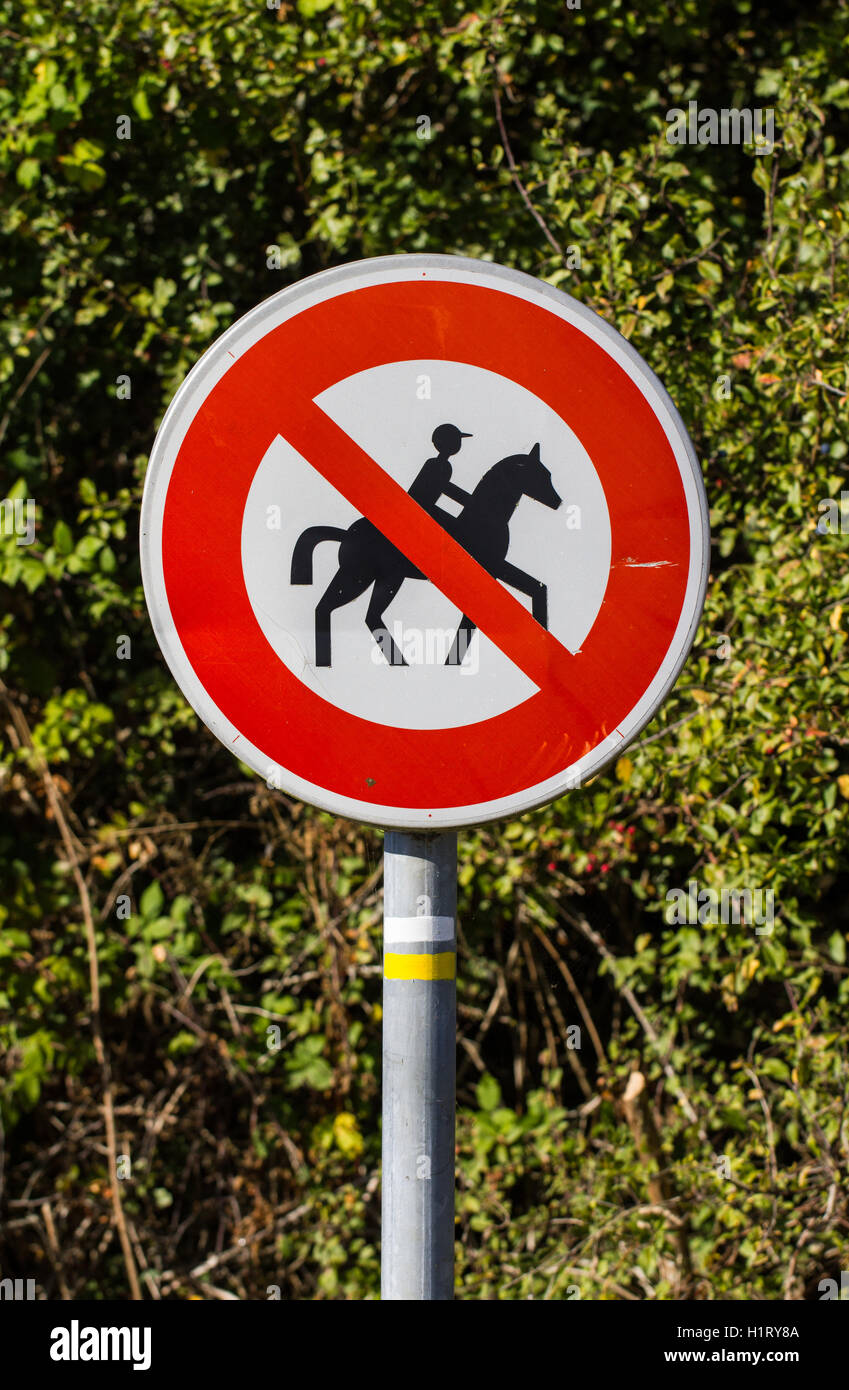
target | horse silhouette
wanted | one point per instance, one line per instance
(367, 558)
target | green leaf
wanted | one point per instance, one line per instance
(62, 538)
(151, 901)
(704, 232)
(28, 172)
(488, 1092)
(141, 105)
(183, 1042)
(87, 150)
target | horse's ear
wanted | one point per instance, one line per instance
(534, 454)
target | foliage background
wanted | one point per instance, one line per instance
(297, 127)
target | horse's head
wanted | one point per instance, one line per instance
(536, 479)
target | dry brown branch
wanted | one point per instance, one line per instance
(514, 172)
(53, 1250)
(640, 1121)
(583, 926)
(548, 945)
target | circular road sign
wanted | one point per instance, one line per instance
(424, 541)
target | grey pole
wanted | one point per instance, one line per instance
(419, 1065)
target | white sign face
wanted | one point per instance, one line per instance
(424, 541)
(375, 409)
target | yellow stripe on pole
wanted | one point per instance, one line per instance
(442, 965)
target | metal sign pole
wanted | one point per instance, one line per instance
(419, 1065)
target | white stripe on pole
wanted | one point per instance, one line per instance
(415, 929)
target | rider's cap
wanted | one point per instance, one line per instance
(448, 437)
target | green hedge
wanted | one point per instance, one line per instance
(219, 909)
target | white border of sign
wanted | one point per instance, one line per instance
(326, 285)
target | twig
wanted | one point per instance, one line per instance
(649, 1148)
(627, 993)
(55, 1253)
(573, 990)
(30, 377)
(514, 174)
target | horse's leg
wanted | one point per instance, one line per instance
(461, 644)
(343, 588)
(382, 595)
(536, 591)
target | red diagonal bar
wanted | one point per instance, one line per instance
(375, 494)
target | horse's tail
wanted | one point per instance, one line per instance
(306, 544)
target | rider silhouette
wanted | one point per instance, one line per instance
(434, 479)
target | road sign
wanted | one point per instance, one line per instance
(424, 541)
